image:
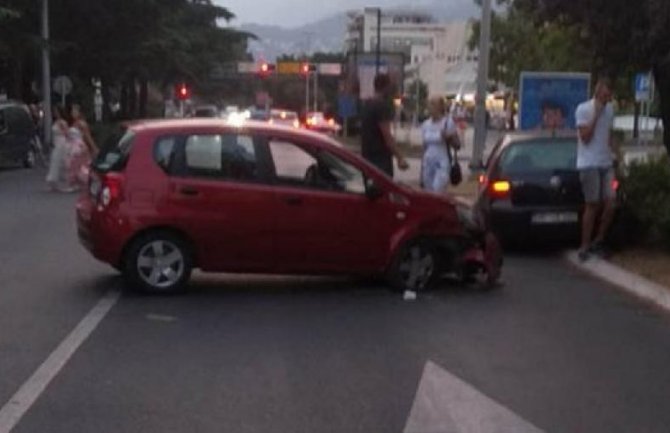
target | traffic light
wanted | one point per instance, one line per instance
(307, 68)
(183, 92)
(267, 68)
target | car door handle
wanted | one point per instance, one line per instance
(188, 191)
(293, 200)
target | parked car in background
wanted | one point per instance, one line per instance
(284, 117)
(17, 135)
(317, 121)
(252, 197)
(206, 111)
(531, 188)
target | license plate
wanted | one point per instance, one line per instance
(555, 218)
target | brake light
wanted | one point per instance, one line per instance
(499, 188)
(331, 122)
(615, 185)
(296, 124)
(110, 190)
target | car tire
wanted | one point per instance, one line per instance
(158, 262)
(415, 267)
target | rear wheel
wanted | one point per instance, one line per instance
(158, 262)
(415, 267)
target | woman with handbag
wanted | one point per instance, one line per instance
(438, 132)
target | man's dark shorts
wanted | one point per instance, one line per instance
(597, 184)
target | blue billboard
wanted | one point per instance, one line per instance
(548, 100)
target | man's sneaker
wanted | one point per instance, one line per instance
(598, 250)
(584, 255)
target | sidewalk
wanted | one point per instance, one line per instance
(628, 281)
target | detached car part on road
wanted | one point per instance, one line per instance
(176, 195)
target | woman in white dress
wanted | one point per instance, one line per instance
(436, 132)
(59, 154)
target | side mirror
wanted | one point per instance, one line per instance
(372, 190)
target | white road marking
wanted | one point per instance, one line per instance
(17, 406)
(446, 404)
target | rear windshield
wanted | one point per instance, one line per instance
(115, 151)
(539, 156)
(287, 115)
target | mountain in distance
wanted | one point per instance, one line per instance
(327, 34)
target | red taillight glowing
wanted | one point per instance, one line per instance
(615, 185)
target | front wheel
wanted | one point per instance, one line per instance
(158, 262)
(415, 268)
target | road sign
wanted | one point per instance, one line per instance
(63, 85)
(329, 69)
(643, 87)
(289, 67)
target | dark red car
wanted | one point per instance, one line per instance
(176, 195)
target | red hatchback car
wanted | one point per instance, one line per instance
(171, 196)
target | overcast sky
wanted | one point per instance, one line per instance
(293, 13)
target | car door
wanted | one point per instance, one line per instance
(324, 222)
(222, 203)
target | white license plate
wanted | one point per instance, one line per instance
(555, 218)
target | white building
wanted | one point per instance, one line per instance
(430, 48)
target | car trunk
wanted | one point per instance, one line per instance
(548, 188)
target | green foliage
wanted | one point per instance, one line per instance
(647, 198)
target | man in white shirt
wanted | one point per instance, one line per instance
(595, 164)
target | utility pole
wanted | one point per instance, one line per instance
(316, 90)
(46, 73)
(379, 40)
(306, 95)
(482, 87)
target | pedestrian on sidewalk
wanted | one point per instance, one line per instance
(595, 163)
(377, 144)
(59, 152)
(438, 132)
(82, 148)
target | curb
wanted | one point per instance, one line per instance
(628, 281)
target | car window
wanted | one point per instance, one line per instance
(228, 156)
(291, 162)
(340, 174)
(115, 151)
(539, 156)
(164, 152)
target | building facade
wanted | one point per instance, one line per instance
(430, 48)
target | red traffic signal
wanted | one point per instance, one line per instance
(267, 68)
(307, 68)
(183, 92)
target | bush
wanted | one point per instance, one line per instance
(646, 190)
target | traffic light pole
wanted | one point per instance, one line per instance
(316, 91)
(46, 73)
(306, 95)
(482, 87)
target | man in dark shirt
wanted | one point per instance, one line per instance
(377, 143)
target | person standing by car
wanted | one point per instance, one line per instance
(82, 148)
(59, 152)
(437, 132)
(595, 163)
(377, 143)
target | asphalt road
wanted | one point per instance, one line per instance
(560, 350)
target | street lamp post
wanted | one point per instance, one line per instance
(46, 73)
(482, 87)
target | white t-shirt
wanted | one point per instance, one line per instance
(431, 131)
(596, 153)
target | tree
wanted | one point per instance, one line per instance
(622, 35)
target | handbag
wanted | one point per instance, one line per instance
(455, 171)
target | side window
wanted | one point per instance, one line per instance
(228, 156)
(338, 174)
(164, 152)
(291, 162)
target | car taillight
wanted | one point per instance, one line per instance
(110, 190)
(296, 124)
(615, 185)
(499, 188)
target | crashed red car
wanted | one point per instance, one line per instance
(250, 197)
